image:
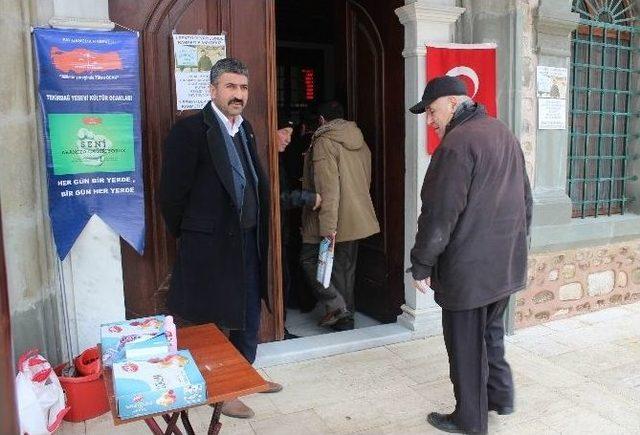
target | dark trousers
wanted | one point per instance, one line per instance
(480, 374)
(339, 294)
(246, 340)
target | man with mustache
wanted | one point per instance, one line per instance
(471, 247)
(214, 197)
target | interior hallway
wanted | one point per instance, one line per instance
(573, 376)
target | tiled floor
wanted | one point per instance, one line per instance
(574, 376)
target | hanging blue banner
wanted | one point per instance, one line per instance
(89, 90)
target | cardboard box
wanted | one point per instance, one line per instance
(154, 346)
(116, 337)
(157, 385)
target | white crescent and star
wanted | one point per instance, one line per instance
(466, 71)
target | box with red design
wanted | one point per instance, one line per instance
(136, 338)
(156, 385)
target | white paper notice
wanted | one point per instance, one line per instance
(552, 114)
(552, 82)
(194, 55)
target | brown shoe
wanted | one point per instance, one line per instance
(274, 387)
(236, 409)
(331, 318)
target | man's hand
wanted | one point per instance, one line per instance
(318, 202)
(423, 285)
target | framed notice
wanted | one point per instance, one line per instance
(194, 55)
(552, 113)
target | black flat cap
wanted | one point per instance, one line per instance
(439, 87)
(284, 123)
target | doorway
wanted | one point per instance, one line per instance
(360, 44)
(349, 51)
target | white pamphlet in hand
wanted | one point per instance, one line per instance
(325, 260)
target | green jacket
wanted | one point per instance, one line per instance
(338, 167)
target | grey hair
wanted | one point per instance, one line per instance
(461, 99)
(227, 65)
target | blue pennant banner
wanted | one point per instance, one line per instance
(89, 89)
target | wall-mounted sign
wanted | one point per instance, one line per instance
(552, 93)
(552, 82)
(194, 55)
(89, 91)
(552, 114)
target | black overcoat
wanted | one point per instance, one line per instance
(476, 213)
(197, 202)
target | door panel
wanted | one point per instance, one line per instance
(374, 100)
(249, 28)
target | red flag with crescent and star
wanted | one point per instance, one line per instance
(475, 64)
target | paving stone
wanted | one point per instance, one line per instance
(69, 428)
(544, 346)
(581, 421)
(104, 424)
(594, 359)
(604, 315)
(599, 400)
(573, 376)
(534, 427)
(304, 422)
(525, 334)
(566, 324)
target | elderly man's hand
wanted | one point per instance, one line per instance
(422, 285)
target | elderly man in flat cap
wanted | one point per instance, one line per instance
(471, 247)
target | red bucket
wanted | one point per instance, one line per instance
(86, 395)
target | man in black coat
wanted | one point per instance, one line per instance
(214, 197)
(471, 247)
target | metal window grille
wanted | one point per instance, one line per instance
(603, 82)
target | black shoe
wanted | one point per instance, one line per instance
(445, 423)
(501, 410)
(288, 335)
(343, 324)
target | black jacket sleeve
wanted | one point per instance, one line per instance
(296, 198)
(444, 198)
(178, 172)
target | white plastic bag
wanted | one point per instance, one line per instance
(41, 404)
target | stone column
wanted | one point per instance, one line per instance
(552, 206)
(92, 272)
(424, 21)
(78, 14)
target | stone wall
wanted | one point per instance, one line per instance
(528, 90)
(565, 283)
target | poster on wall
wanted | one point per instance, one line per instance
(552, 93)
(552, 82)
(475, 64)
(552, 114)
(89, 93)
(194, 55)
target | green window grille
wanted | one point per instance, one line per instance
(603, 82)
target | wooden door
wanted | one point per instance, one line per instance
(374, 88)
(249, 29)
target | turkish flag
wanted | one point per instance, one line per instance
(475, 64)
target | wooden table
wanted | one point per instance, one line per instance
(227, 374)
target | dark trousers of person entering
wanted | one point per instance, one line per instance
(480, 374)
(339, 294)
(246, 340)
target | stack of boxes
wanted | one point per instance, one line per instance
(147, 377)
